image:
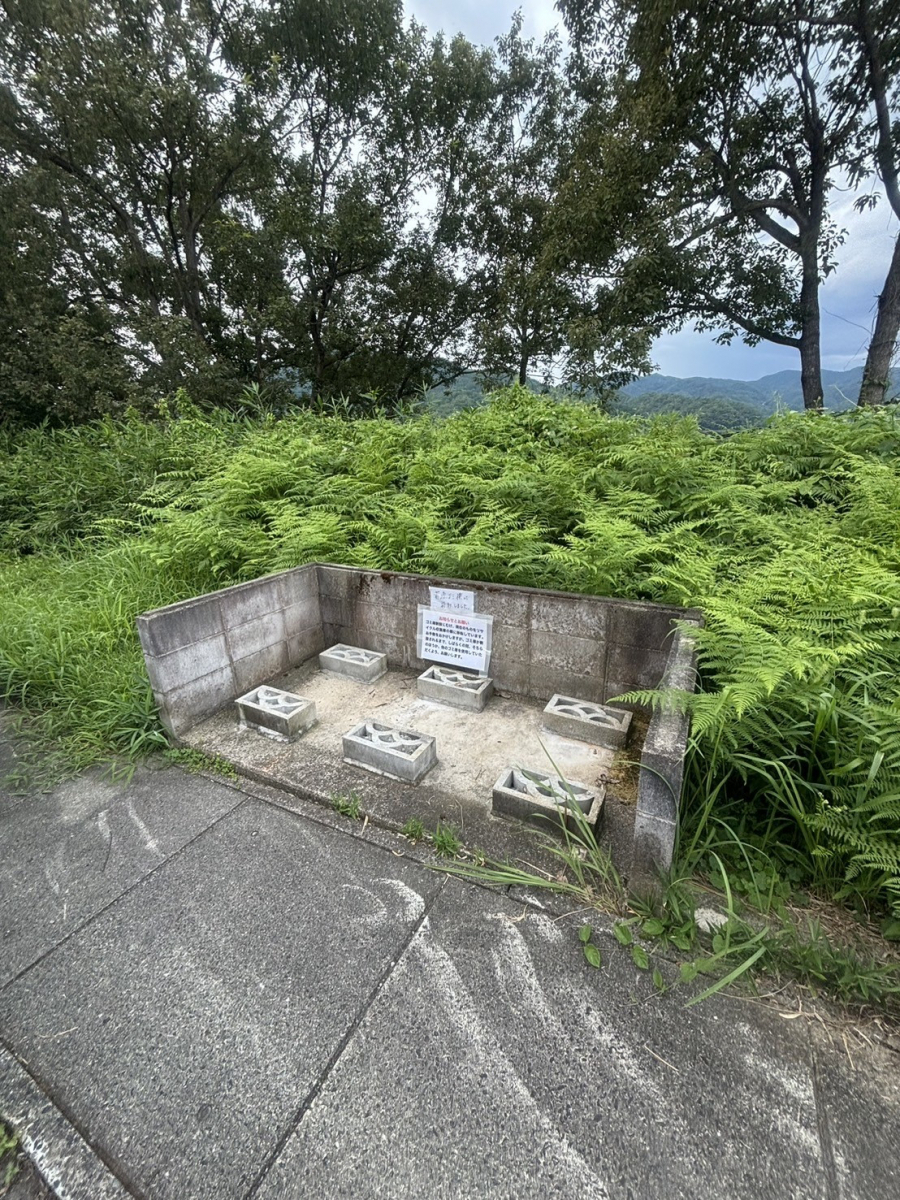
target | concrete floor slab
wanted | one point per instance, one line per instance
(495, 1063)
(68, 853)
(184, 1026)
(473, 748)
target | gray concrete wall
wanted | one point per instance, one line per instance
(662, 769)
(203, 653)
(543, 642)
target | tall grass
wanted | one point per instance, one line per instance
(787, 537)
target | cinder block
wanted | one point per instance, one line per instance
(461, 689)
(562, 652)
(354, 662)
(581, 616)
(394, 619)
(400, 754)
(340, 582)
(267, 663)
(169, 629)
(273, 711)
(185, 706)
(587, 722)
(248, 601)
(510, 675)
(304, 645)
(256, 635)
(642, 624)
(641, 667)
(509, 608)
(304, 614)
(183, 666)
(654, 849)
(532, 796)
(545, 681)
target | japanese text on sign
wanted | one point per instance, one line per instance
(460, 641)
(452, 600)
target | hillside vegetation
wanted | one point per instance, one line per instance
(786, 537)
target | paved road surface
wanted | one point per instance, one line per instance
(206, 995)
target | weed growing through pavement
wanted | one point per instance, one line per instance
(445, 841)
(196, 761)
(414, 830)
(9, 1166)
(665, 918)
(347, 805)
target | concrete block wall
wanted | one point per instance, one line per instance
(203, 653)
(543, 642)
(662, 769)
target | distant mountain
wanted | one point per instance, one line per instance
(780, 390)
(714, 415)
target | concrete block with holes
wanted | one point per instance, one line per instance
(354, 662)
(273, 711)
(400, 754)
(450, 685)
(538, 798)
(588, 722)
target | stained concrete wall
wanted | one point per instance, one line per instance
(543, 642)
(203, 653)
(662, 768)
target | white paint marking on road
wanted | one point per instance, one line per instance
(377, 914)
(413, 904)
(517, 977)
(149, 839)
(461, 1010)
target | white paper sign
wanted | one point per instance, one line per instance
(459, 641)
(451, 600)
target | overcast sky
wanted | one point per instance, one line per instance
(848, 296)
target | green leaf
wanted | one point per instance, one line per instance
(729, 978)
(623, 933)
(688, 971)
(584, 933)
(890, 929)
(639, 958)
(592, 954)
(654, 927)
(658, 981)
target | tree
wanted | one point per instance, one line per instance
(147, 137)
(539, 311)
(868, 37)
(237, 187)
(59, 359)
(731, 133)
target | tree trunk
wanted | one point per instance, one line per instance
(523, 365)
(810, 328)
(884, 338)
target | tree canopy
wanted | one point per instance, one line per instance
(323, 200)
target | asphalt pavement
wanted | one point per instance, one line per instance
(211, 991)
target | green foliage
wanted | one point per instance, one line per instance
(445, 841)
(196, 761)
(787, 537)
(348, 806)
(414, 830)
(9, 1149)
(713, 415)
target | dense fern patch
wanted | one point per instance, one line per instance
(786, 536)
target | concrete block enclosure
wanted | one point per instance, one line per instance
(205, 653)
